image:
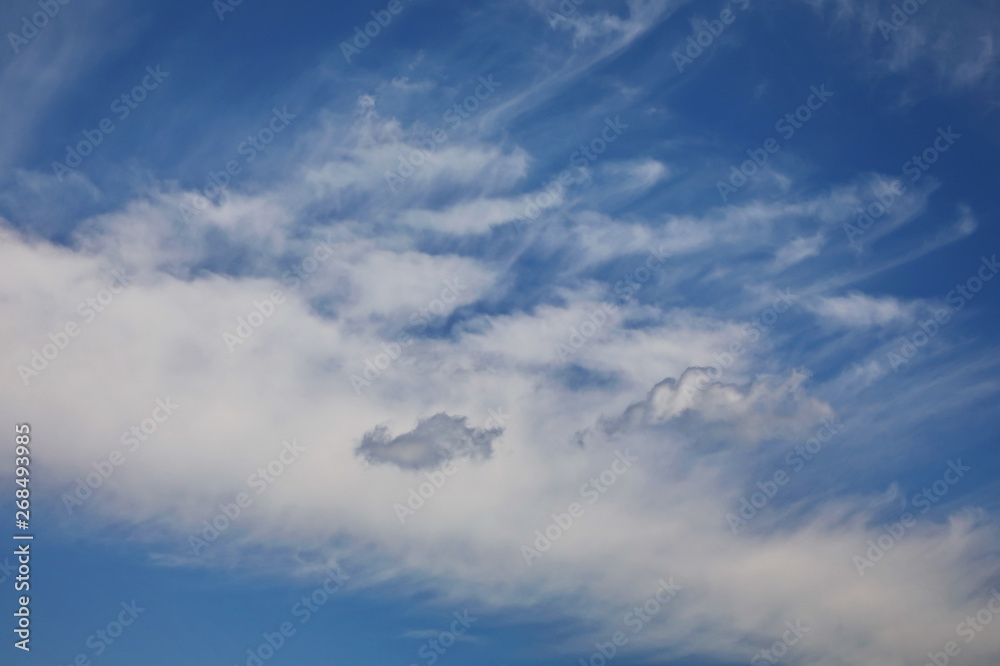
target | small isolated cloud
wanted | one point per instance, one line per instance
(638, 174)
(433, 442)
(798, 249)
(863, 311)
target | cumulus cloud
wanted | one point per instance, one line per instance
(715, 413)
(433, 442)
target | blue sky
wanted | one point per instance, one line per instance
(534, 313)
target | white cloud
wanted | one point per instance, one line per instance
(291, 379)
(859, 310)
(663, 518)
